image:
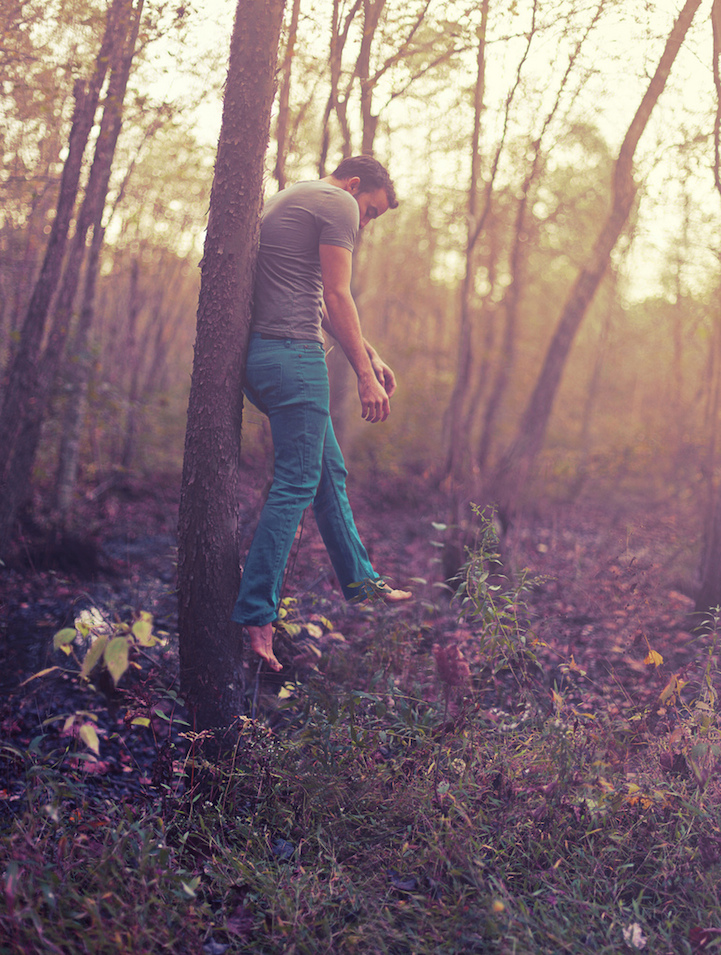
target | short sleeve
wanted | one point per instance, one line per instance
(339, 220)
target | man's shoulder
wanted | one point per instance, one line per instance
(311, 214)
(313, 194)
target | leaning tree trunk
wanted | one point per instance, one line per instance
(515, 466)
(208, 573)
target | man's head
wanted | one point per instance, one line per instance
(366, 179)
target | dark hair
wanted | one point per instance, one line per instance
(372, 176)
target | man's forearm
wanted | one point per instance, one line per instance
(328, 327)
(340, 319)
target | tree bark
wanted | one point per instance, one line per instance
(515, 466)
(210, 647)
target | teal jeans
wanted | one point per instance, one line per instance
(288, 381)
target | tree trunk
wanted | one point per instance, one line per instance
(518, 263)
(132, 357)
(76, 399)
(457, 445)
(18, 420)
(709, 595)
(372, 10)
(281, 129)
(210, 649)
(514, 469)
(458, 452)
(338, 38)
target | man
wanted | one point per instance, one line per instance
(302, 283)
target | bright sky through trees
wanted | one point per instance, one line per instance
(620, 53)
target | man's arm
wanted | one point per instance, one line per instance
(383, 372)
(336, 268)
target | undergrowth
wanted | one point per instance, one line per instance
(382, 806)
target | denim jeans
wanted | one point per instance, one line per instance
(288, 381)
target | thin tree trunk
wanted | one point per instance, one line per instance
(22, 455)
(518, 264)
(709, 595)
(456, 465)
(457, 445)
(514, 469)
(281, 129)
(76, 400)
(210, 649)
(372, 10)
(131, 358)
(23, 382)
(338, 38)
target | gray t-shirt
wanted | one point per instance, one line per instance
(288, 283)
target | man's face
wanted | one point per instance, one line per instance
(371, 205)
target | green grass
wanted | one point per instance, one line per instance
(390, 812)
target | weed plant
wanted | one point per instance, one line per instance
(389, 811)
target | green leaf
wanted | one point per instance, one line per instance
(89, 735)
(63, 638)
(140, 721)
(116, 657)
(143, 630)
(190, 888)
(92, 657)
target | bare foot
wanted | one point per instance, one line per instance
(261, 642)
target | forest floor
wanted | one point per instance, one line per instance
(607, 619)
(613, 580)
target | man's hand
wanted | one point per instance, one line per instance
(383, 372)
(376, 381)
(375, 405)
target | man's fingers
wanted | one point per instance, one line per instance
(376, 411)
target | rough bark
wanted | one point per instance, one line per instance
(514, 469)
(210, 646)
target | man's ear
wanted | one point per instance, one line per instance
(354, 185)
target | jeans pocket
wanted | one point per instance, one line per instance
(264, 382)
